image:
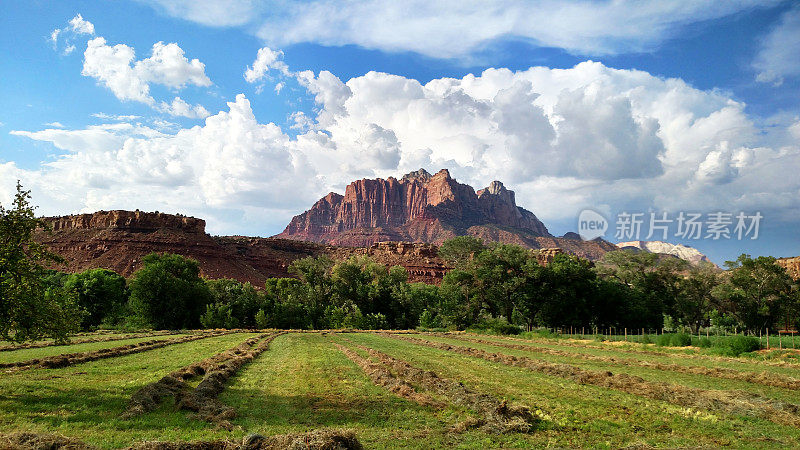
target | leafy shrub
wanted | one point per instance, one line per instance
(681, 340)
(674, 340)
(428, 320)
(736, 345)
(705, 342)
(646, 339)
(494, 326)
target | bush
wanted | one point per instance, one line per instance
(705, 342)
(428, 320)
(681, 340)
(736, 345)
(494, 326)
(674, 340)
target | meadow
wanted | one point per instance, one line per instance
(398, 390)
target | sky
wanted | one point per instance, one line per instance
(244, 113)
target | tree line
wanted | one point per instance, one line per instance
(496, 286)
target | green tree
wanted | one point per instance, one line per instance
(758, 292)
(695, 300)
(101, 293)
(168, 293)
(315, 291)
(30, 310)
(241, 301)
(459, 250)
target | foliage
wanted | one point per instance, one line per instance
(737, 344)
(168, 293)
(460, 250)
(101, 293)
(234, 304)
(30, 308)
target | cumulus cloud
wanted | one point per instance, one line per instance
(76, 26)
(564, 139)
(179, 107)
(450, 28)
(116, 68)
(778, 54)
(266, 60)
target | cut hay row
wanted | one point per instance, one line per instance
(9, 348)
(400, 377)
(763, 378)
(733, 402)
(68, 359)
(202, 399)
(383, 377)
(314, 440)
(623, 348)
(497, 416)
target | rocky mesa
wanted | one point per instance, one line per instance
(117, 240)
(425, 208)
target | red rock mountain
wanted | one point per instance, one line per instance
(421, 207)
(118, 240)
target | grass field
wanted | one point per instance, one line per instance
(405, 393)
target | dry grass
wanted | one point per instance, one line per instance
(203, 398)
(726, 401)
(496, 416)
(763, 378)
(68, 359)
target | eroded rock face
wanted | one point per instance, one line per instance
(128, 220)
(118, 240)
(417, 208)
(792, 266)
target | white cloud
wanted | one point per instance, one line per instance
(564, 139)
(76, 26)
(453, 28)
(169, 67)
(117, 117)
(54, 124)
(778, 55)
(179, 107)
(116, 68)
(266, 60)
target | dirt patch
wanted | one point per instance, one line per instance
(202, 399)
(763, 378)
(734, 402)
(496, 415)
(68, 359)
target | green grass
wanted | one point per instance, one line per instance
(86, 400)
(43, 352)
(303, 382)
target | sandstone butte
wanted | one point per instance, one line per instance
(395, 222)
(421, 207)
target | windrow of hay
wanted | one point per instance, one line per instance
(734, 402)
(203, 398)
(497, 416)
(763, 378)
(324, 439)
(216, 370)
(381, 376)
(68, 359)
(631, 347)
(103, 338)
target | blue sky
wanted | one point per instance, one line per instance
(615, 106)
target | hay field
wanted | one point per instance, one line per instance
(398, 390)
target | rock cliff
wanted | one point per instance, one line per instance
(419, 207)
(792, 266)
(681, 251)
(117, 240)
